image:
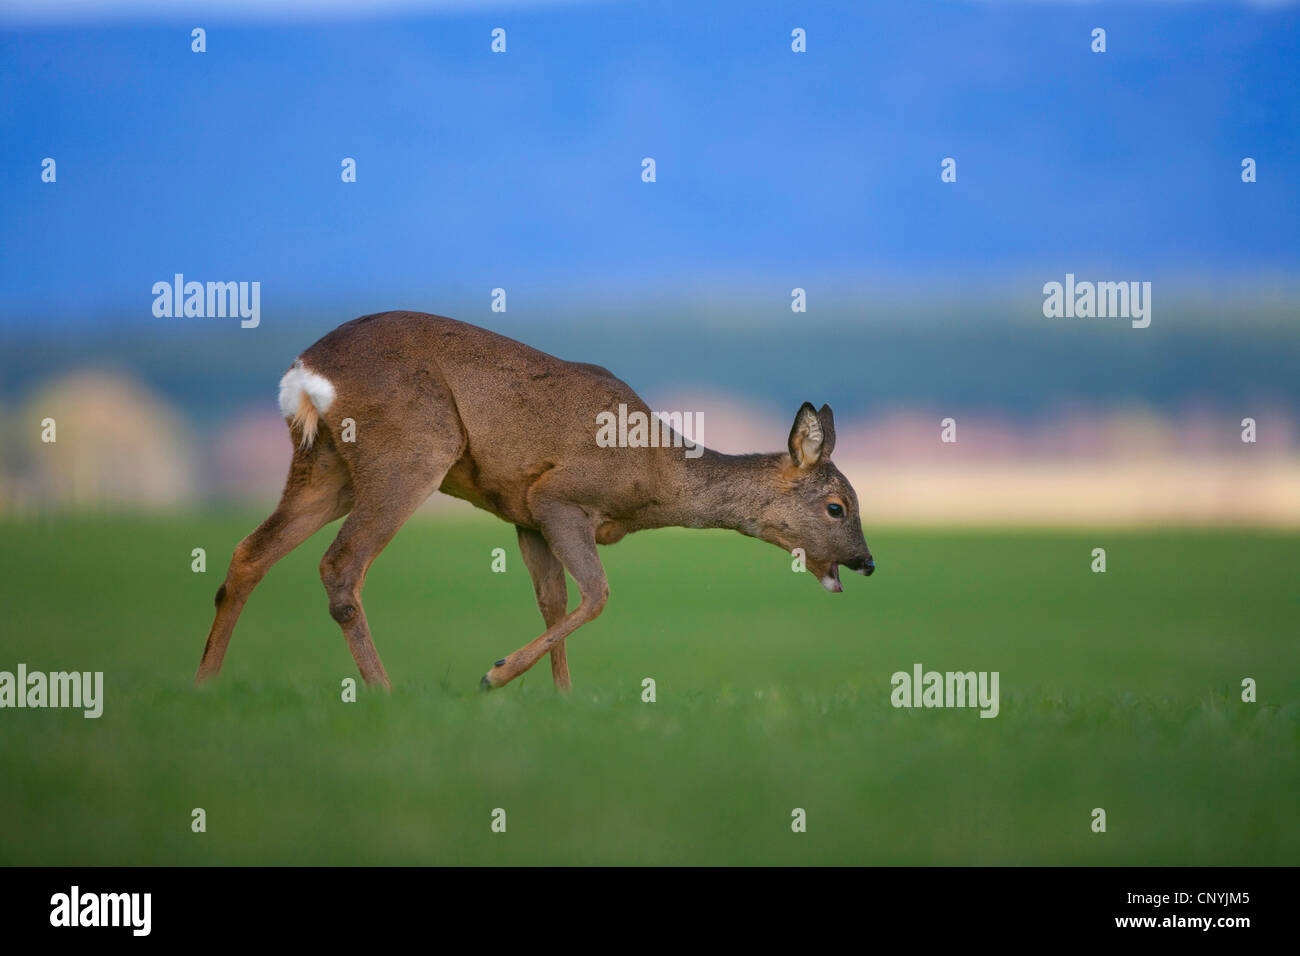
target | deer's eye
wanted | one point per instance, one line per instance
(834, 510)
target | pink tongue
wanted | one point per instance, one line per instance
(832, 580)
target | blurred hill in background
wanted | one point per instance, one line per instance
(1056, 423)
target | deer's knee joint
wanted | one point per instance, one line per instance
(596, 600)
(340, 585)
(221, 595)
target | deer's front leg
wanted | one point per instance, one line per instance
(572, 540)
(552, 595)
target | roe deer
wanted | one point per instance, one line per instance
(441, 405)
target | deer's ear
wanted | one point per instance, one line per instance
(807, 437)
(827, 419)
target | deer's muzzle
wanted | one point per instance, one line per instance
(865, 565)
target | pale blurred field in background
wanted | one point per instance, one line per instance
(122, 445)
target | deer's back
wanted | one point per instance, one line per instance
(523, 413)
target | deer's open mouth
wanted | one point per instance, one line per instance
(831, 579)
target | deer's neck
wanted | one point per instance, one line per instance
(712, 491)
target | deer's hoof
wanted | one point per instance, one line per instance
(484, 684)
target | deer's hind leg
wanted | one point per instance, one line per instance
(552, 595)
(316, 492)
(395, 466)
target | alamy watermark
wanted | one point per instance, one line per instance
(636, 429)
(213, 300)
(75, 908)
(76, 689)
(1086, 300)
(951, 689)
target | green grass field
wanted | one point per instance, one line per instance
(1118, 690)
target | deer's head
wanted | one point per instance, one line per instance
(816, 508)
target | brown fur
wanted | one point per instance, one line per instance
(442, 405)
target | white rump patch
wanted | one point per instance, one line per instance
(299, 381)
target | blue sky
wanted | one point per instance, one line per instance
(522, 170)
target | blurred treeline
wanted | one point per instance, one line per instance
(173, 412)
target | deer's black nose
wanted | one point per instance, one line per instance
(862, 565)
